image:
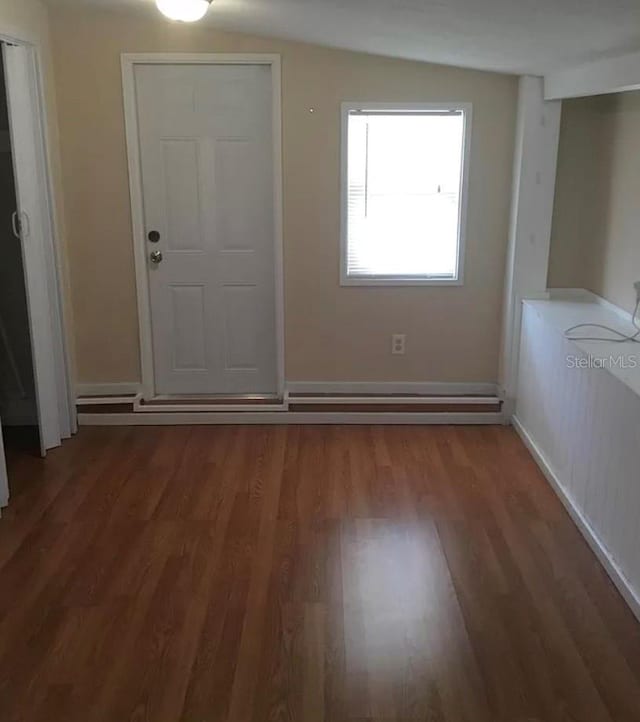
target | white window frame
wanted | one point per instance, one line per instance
(396, 280)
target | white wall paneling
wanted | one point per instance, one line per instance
(583, 426)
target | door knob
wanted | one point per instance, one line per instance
(155, 256)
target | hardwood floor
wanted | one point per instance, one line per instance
(246, 574)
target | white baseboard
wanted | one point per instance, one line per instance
(617, 577)
(126, 388)
(288, 417)
(381, 388)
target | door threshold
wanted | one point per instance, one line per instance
(213, 399)
(213, 402)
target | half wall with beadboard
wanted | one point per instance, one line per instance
(578, 410)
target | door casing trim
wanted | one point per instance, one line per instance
(128, 63)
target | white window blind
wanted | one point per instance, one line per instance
(404, 194)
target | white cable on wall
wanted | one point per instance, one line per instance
(621, 337)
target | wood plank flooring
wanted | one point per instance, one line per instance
(311, 574)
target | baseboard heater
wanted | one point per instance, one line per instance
(397, 403)
(295, 407)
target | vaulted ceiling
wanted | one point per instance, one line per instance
(516, 36)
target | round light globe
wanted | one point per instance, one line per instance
(186, 11)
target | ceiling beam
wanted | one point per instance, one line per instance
(611, 75)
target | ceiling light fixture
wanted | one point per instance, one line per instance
(186, 11)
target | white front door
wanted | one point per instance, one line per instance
(206, 149)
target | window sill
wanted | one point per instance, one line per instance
(398, 281)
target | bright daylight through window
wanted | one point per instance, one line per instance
(404, 204)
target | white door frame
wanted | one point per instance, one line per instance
(129, 61)
(62, 422)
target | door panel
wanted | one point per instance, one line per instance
(28, 171)
(206, 149)
(241, 309)
(184, 212)
(236, 221)
(189, 329)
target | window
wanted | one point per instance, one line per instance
(404, 194)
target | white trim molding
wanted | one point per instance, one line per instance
(347, 108)
(128, 62)
(534, 179)
(608, 75)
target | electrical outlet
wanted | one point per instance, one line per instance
(398, 343)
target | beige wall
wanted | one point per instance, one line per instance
(332, 333)
(596, 225)
(25, 20)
